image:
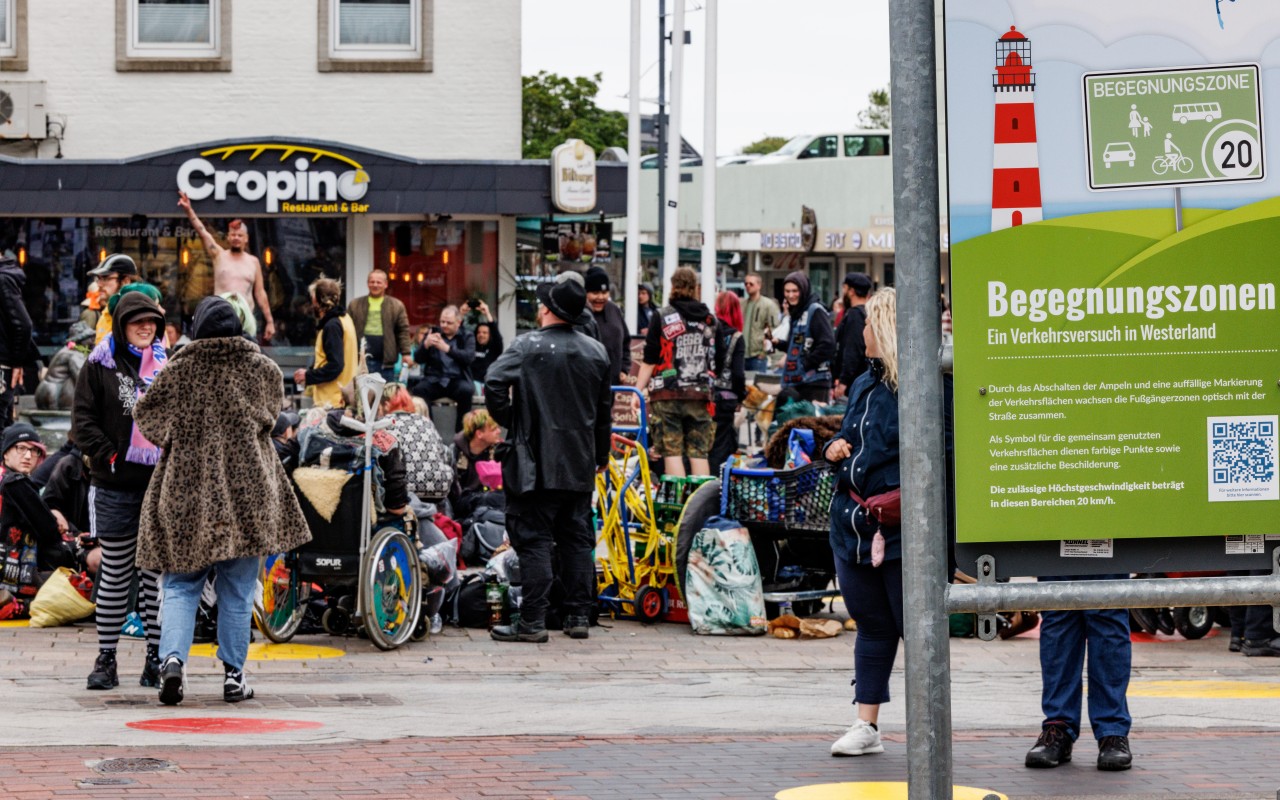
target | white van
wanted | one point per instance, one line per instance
(830, 145)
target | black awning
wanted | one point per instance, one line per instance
(385, 183)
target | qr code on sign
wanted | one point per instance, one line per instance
(1242, 458)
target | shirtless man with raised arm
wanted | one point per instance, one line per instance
(234, 270)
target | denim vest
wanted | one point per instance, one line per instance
(800, 343)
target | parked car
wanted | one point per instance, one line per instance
(853, 144)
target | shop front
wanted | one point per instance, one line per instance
(443, 231)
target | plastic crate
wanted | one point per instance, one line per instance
(798, 498)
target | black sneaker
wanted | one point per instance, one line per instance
(171, 681)
(104, 671)
(577, 627)
(1237, 642)
(151, 668)
(1261, 647)
(234, 686)
(1113, 753)
(1052, 748)
(518, 633)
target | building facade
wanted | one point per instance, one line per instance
(347, 134)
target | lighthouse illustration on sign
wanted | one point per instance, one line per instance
(1015, 174)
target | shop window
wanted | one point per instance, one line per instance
(444, 263)
(58, 252)
(13, 35)
(375, 35)
(173, 35)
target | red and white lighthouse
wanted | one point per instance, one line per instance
(1015, 176)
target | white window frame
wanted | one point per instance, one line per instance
(137, 49)
(9, 46)
(376, 52)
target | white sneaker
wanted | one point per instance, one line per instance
(437, 625)
(861, 739)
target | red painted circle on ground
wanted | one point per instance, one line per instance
(223, 725)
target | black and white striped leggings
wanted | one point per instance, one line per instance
(114, 578)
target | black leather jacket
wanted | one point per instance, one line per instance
(551, 388)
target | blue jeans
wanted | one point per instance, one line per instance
(1066, 637)
(757, 364)
(235, 580)
(873, 597)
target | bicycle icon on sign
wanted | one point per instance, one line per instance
(1172, 162)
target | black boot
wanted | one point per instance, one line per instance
(519, 633)
(577, 627)
(1114, 754)
(1052, 748)
(104, 671)
(151, 668)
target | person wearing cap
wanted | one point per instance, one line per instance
(17, 346)
(120, 459)
(24, 517)
(220, 499)
(552, 391)
(113, 274)
(284, 437)
(851, 350)
(610, 323)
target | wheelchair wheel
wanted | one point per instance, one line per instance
(279, 608)
(390, 589)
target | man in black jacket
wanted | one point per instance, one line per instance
(551, 390)
(446, 353)
(17, 348)
(851, 350)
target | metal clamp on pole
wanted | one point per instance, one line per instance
(989, 621)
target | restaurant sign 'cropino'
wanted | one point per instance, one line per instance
(298, 188)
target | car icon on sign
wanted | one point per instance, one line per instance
(1118, 151)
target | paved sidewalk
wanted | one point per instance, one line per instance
(634, 711)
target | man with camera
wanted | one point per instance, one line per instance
(445, 353)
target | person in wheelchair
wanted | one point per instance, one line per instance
(428, 467)
(326, 442)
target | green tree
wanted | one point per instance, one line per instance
(764, 145)
(877, 114)
(558, 108)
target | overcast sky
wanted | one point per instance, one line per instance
(803, 66)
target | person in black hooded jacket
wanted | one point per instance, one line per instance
(120, 462)
(811, 344)
(17, 348)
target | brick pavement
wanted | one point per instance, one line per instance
(1167, 765)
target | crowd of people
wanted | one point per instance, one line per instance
(177, 469)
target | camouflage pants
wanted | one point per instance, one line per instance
(681, 428)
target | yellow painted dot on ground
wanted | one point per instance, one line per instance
(275, 652)
(1206, 690)
(873, 791)
(14, 623)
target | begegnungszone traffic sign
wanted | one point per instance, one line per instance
(1173, 127)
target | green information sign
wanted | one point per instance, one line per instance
(1173, 126)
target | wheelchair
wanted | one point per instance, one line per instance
(366, 570)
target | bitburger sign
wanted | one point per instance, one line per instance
(309, 184)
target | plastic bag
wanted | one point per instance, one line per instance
(58, 602)
(440, 561)
(799, 448)
(724, 593)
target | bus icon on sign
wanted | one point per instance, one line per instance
(1185, 112)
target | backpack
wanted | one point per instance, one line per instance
(466, 605)
(428, 461)
(723, 588)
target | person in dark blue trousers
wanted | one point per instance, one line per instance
(1067, 638)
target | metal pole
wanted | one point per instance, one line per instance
(709, 268)
(671, 173)
(924, 529)
(1177, 208)
(631, 270)
(662, 133)
(980, 598)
